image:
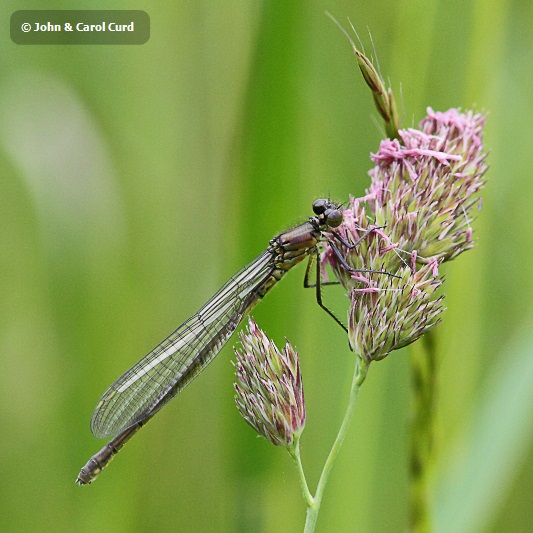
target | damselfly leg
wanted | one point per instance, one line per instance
(319, 283)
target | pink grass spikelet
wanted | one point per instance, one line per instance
(424, 189)
(269, 388)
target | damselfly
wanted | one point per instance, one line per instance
(151, 383)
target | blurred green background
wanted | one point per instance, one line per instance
(134, 180)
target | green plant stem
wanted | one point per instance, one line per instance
(295, 454)
(421, 430)
(313, 504)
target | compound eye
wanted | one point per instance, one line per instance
(333, 218)
(319, 206)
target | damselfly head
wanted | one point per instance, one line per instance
(329, 212)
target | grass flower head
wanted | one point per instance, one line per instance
(423, 191)
(269, 388)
